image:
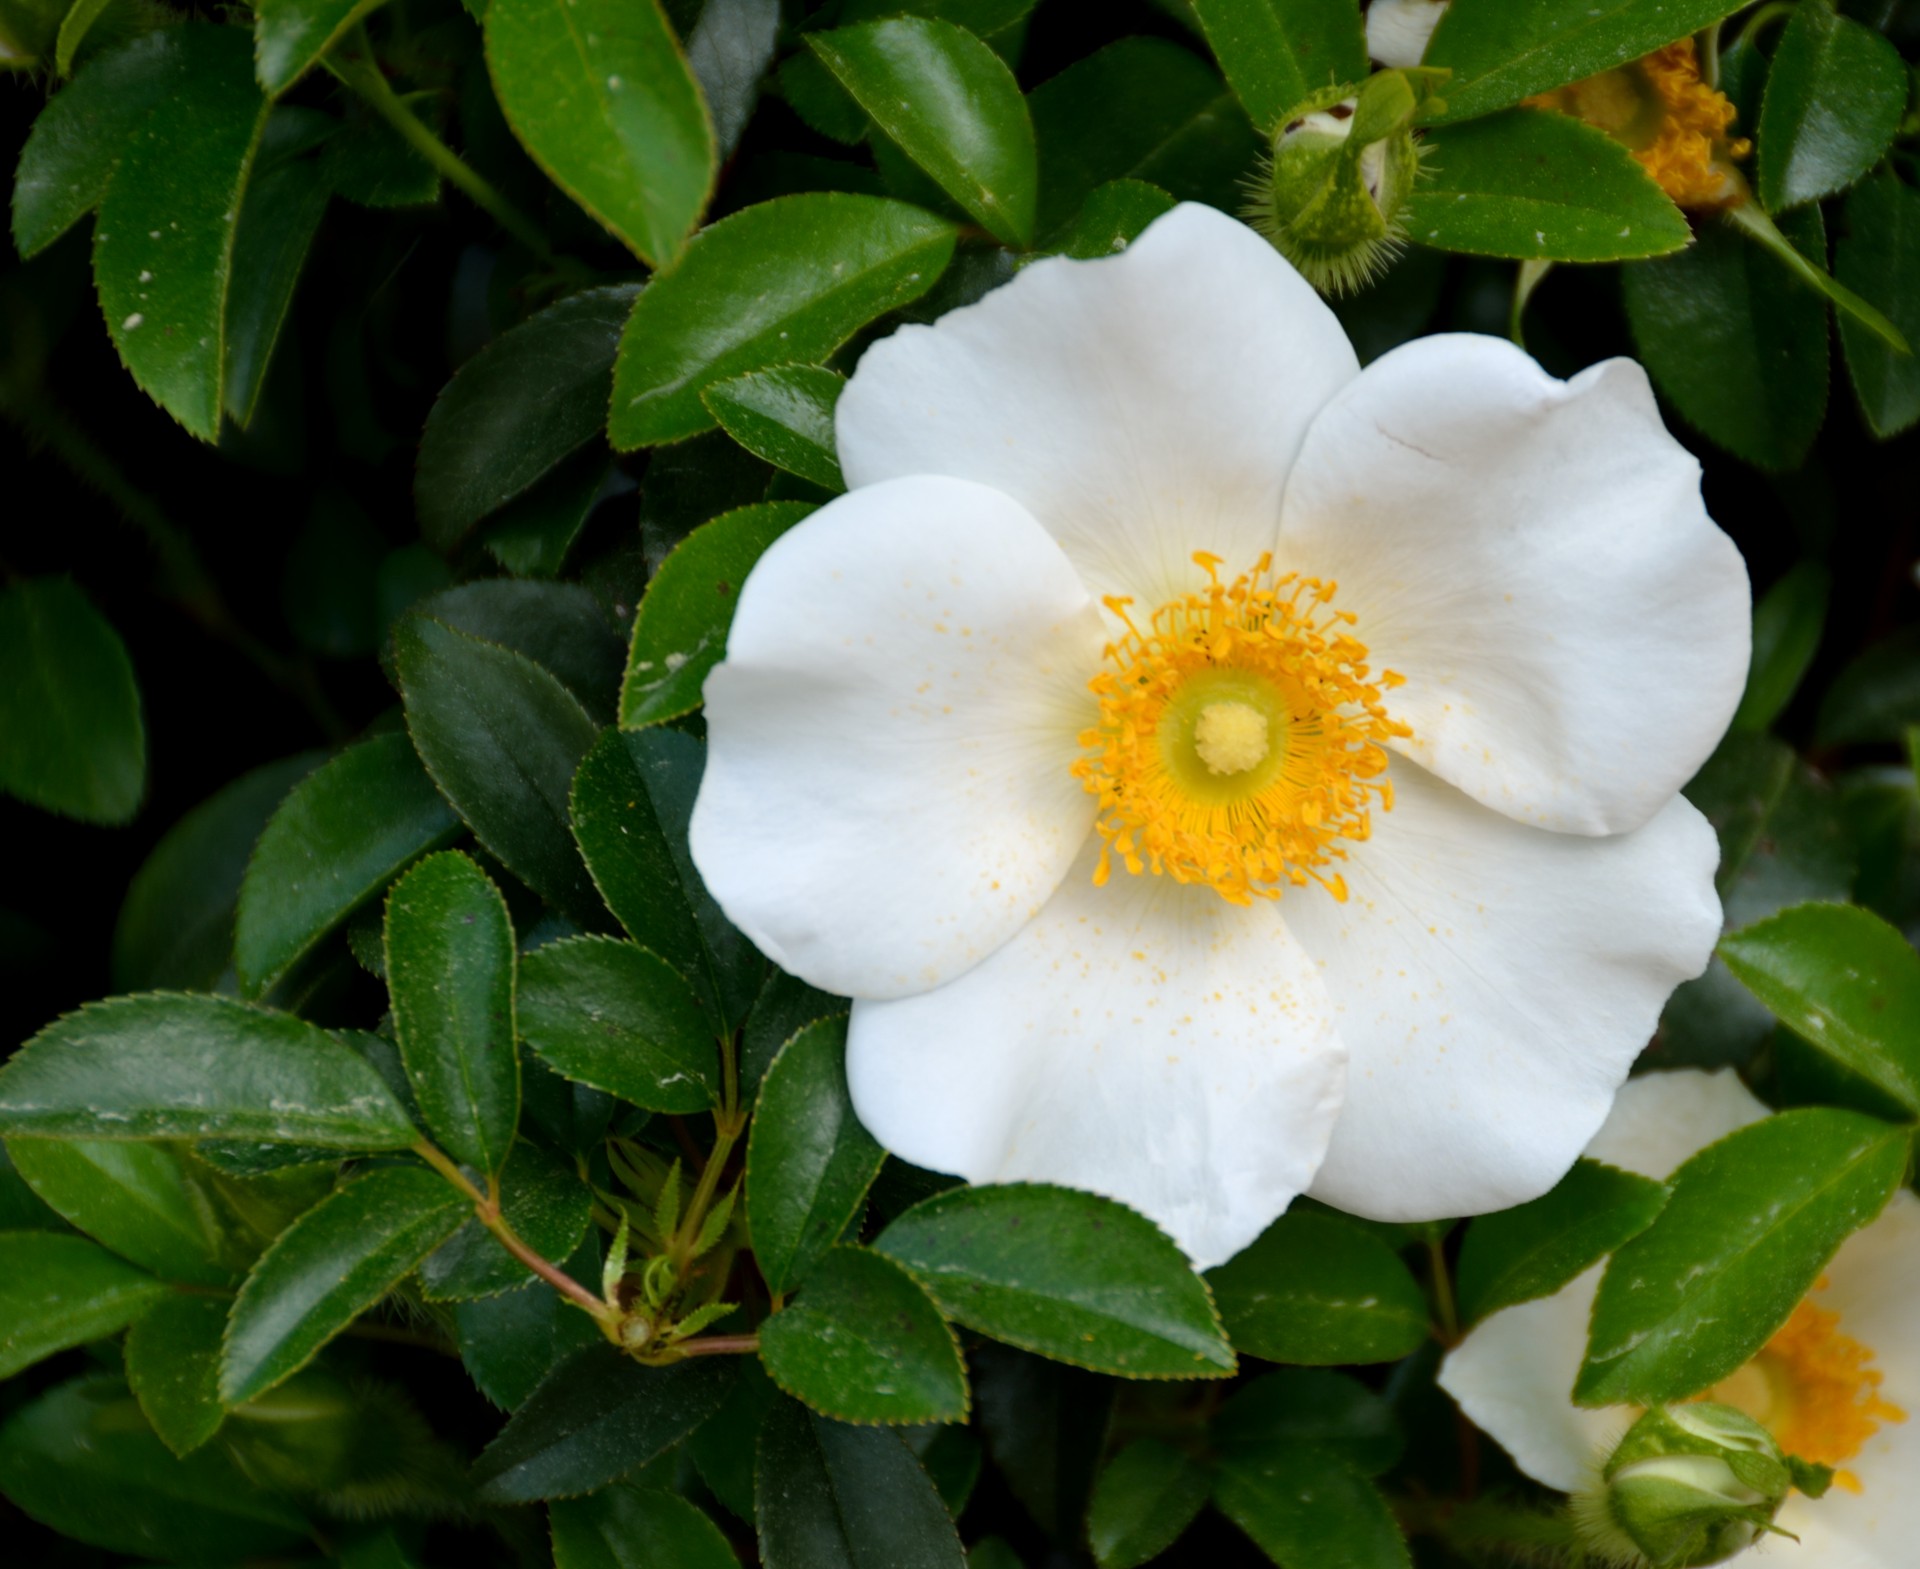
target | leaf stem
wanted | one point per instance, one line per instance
(719, 1345)
(1443, 1300)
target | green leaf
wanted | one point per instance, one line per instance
(982, 18)
(784, 415)
(74, 28)
(1316, 1289)
(290, 37)
(561, 627)
(632, 801)
(501, 738)
(1835, 95)
(1534, 1249)
(951, 105)
(786, 1005)
(139, 1199)
(784, 282)
(600, 95)
(164, 1066)
(1877, 696)
(1304, 1506)
(328, 1268)
(532, 535)
(1309, 1405)
(1844, 981)
(863, 1343)
(830, 1496)
(1752, 1221)
(337, 839)
(449, 947)
(516, 410)
(1278, 52)
(1879, 257)
(597, 1417)
(1540, 186)
(1787, 624)
(163, 246)
(173, 1364)
(85, 1443)
(1737, 345)
(680, 631)
(368, 162)
(1067, 1274)
(549, 1207)
(628, 1527)
(1111, 219)
(71, 736)
(58, 1291)
(1146, 1496)
(729, 50)
(722, 1449)
(1764, 232)
(1045, 1425)
(809, 1162)
(1500, 53)
(512, 1341)
(609, 1014)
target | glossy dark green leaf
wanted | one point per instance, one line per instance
(1316, 1289)
(863, 1343)
(58, 1291)
(291, 36)
(609, 1014)
(1877, 696)
(561, 627)
(328, 1268)
(597, 1417)
(501, 737)
(1835, 94)
(1146, 1496)
(71, 736)
(285, 201)
(1879, 258)
(1140, 109)
(549, 1207)
(1277, 52)
(86, 1442)
(166, 1066)
(784, 282)
(830, 1496)
(516, 410)
(21, 1209)
(337, 839)
(1500, 53)
(786, 1005)
(511, 1342)
(163, 246)
(729, 50)
(1305, 1506)
(141, 1200)
(680, 631)
(1737, 344)
(532, 535)
(1844, 981)
(1064, 1273)
(1752, 1221)
(599, 93)
(632, 801)
(1533, 1250)
(1111, 219)
(1540, 186)
(809, 1162)
(784, 415)
(173, 1365)
(722, 1448)
(450, 970)
(1787, 623)
(1309, 1405)
(951, 105)
(628, 1527)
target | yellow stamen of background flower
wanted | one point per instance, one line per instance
(1240, 737)
(1815, 1388)
(1661, 110)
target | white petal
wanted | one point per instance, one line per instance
(1398, 30)
(1494, 983)
(1147, 1041)
(1534, 557)
(1142, 406)
(1660, 1121)
(1513, 1376)
(887, 796)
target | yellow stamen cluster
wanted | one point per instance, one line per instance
(1668, 118)
(1240, 737)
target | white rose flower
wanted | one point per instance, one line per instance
(1398, 31)
(1835, 1385)
(1157, 864)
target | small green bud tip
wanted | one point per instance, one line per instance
(1688, 1486)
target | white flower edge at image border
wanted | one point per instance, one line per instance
(887, 809)
(1513, 1374)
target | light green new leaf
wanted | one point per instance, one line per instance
(71, 736)
(450, 968)
(1146, 1496)
(1277, 52)
(1835, 94)
(784, 282)
(630, 1527)
(140, 1199)
(1303, 1505)
(1878, 257)
(57, 1292)
(328, 1268)
(600, 94)
(290, 37)
(784, 415)
(173, 1364)
(74, 28)
(1787, 624)
(951, 105)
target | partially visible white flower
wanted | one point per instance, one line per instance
(1838, 1383)
(1218, 772)
(1398, 31)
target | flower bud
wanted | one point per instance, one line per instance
(1688, 1485)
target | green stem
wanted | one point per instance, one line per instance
(1443, 1302)
(1757, 226)
(719, 1345)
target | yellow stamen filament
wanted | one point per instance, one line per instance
(1241, 737)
